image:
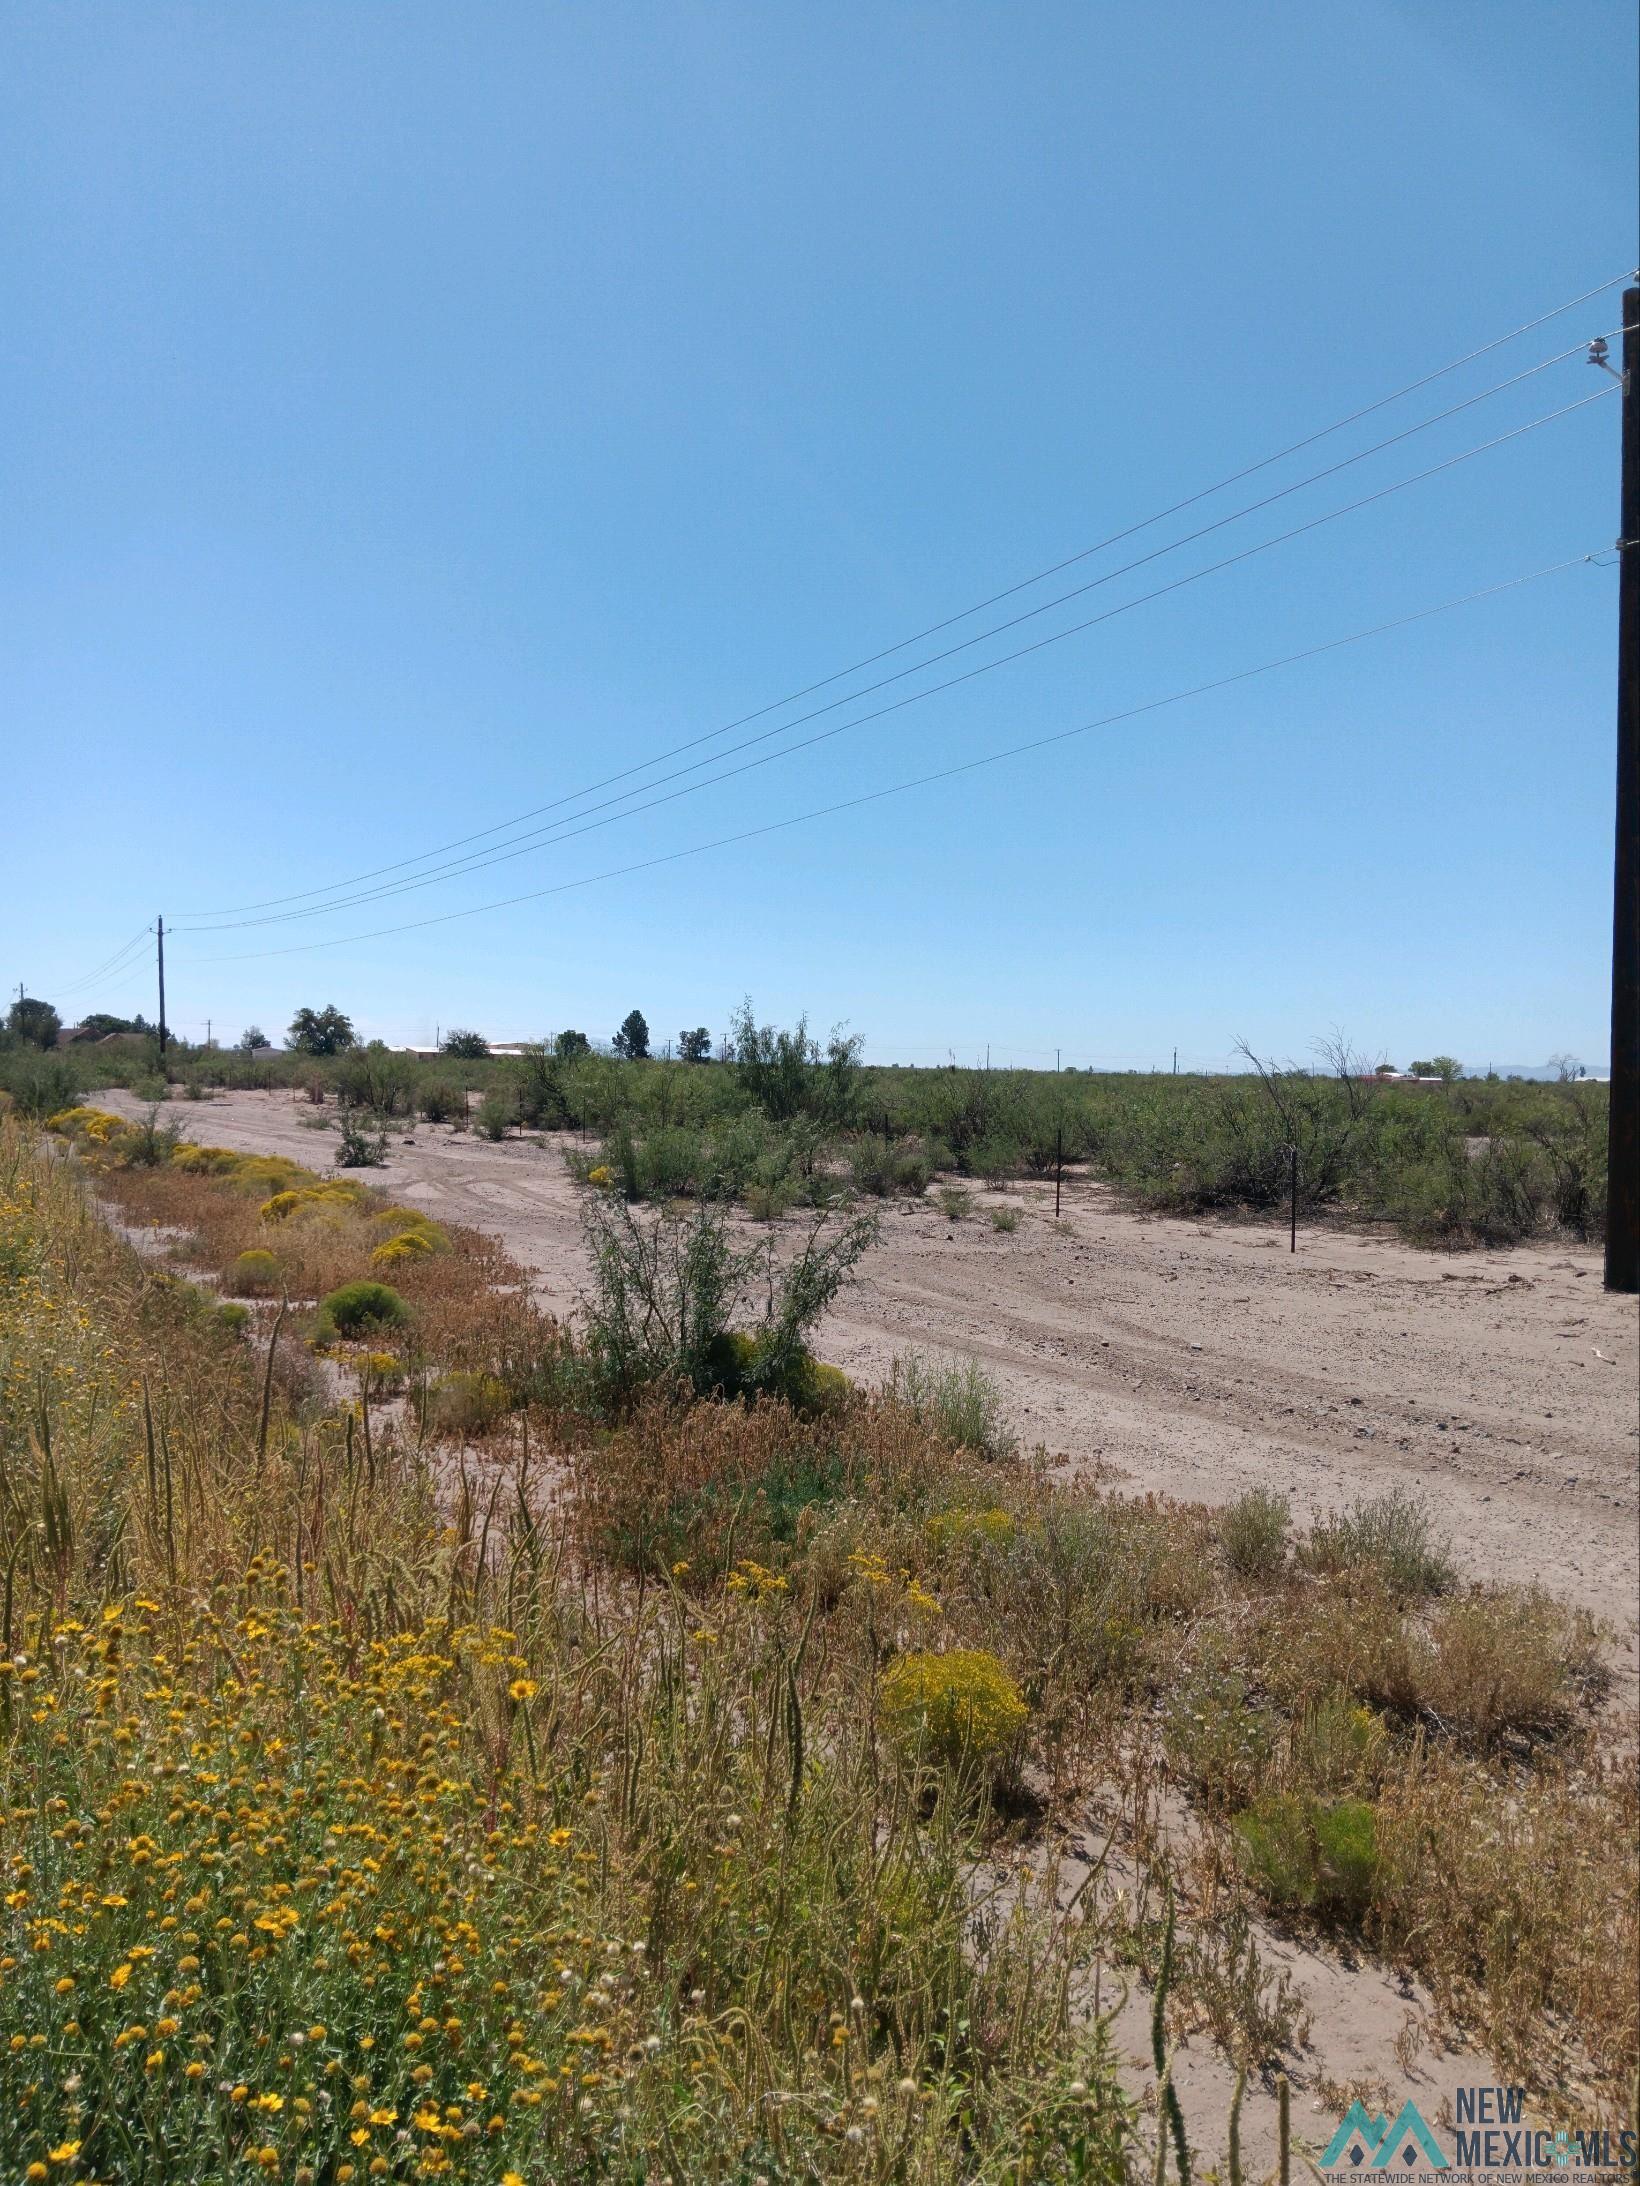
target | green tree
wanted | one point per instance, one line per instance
(102, 1023)
(470, 1047)
(570, 1044)
(789, 1074)
(321, 1032)
(34, 1023)
(253, 1038)
(632, 1040)
(1444, 1067)
(696, 1046)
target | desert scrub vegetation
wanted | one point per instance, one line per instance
(347, 1833)
(784, 1119)
(675, 1301)
(1461, 1163)
(443, 1733)
(956, 1399)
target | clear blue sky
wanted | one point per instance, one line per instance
(413, 413)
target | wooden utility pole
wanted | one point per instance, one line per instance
(159, 929)
(1623, 1149)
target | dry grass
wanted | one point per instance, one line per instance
(679, 1664)
(350, 1829)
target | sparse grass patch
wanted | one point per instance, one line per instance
(1253, 1533)
(1391, 1538)
(957, 1398)
(1313, 1856)
(1512, 1664)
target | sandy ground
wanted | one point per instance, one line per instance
(1199, 1360)
(1195, 1359)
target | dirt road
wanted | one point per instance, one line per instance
(1194, 1359)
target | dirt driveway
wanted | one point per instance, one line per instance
(1194, 1359)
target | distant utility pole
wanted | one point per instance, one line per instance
(159, 929)
(1623, 1148)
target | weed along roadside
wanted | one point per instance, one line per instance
(440, 1737)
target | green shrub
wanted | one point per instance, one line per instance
(253, 1274)
(768, 1202)
(954, 1203)
(234, 1319)
(886, 1168)
(761, 1515)
(536, 1086)
(1005, 1219)
(360, 1148)
(1306, 1855)
(956, 1710)
(1390, 1538)
(958, 1399)
(668, 1291)
(1459, 1195)
(361, 1309)
(148, 1144)
(494, 1118)
(993, 1160)
(40, 1085)
(740, 1362)
(374, 1078)
(1253, 1533)
(465, 1404)
(441, 1100)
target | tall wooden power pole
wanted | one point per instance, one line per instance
(1623, 1190)
(160, 931)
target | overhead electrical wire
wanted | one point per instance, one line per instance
(948, 622)
(581, 824)
(477, 860)
(114, 964)
(921, 781)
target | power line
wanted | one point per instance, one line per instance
(107, 970)
(934, 629)
(921, 781)
(477, 861)
(567, 832)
